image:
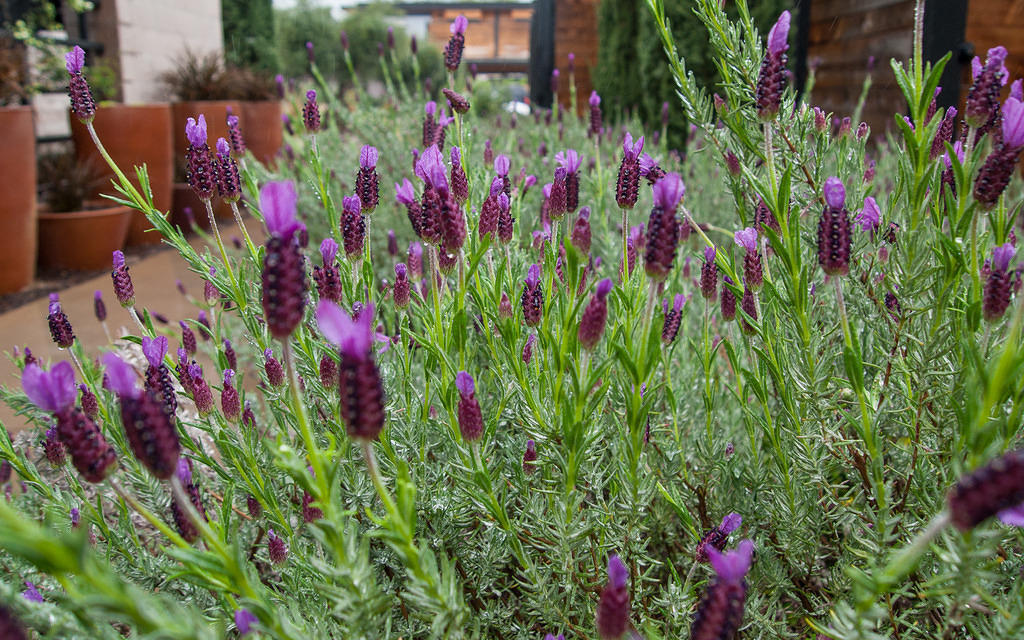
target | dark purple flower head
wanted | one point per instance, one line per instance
(195, 131)
(835, 193)
(777, 37)
(154, 349)
(613, 607)
(74, 60)
(277, 202)
(52, 390)
(99, 308)
(311, 112)
(994, 489)
(368, 157)
(669, 191)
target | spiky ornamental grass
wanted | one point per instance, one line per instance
(837, 416)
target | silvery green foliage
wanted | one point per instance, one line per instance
(835, 430)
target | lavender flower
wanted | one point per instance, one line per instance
(771, 80)
(244, 620)
(311, 113)
(82, 104)
(595, 114)
(532, 300)
(996, 294)
(458, 102)
(753, 275)
(456, 44)
(982, 105)
(353, 227)
(720, 611)
(628, 182)
(188, 338)
(229, 185)
(673, 318)
(489, 210)
(709, 274)
(727, 300)
(869, 218)
(471, 422)
(995, 489)
(327, 277)
(201, 394)
(230, 403)
(53, 449)
(158, 376)
(31, 594)
(459, 182)
(360, 386)
(89, 403)
(530, 456)
(60, 327)
(276, 548)
(152, 435)
(235, 135)
(613, 607)
(54, 391)
(284, 274)
(367, 180)
(505, 220)
(594, 317)
(663, 227)
(581, 236)
(570, 161)
(123, 288)
(944, 133)
(716, 537)
(98, 307)
(200, 165)
(272, 367)
(998, 167)
(834, 238)
(400, 290)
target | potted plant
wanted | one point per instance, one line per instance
(18, 168)
(134, 134)
(261, 114)
(75, 232)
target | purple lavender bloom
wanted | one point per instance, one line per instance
(746, 238)
(98, 307)
(835, 192)
(501, 165)
(155, 349)
(1013, 122)
(195, 131)
(244, 620)
(74, 60)
(82, 103)
(311, 112)
(595, 114)
(779, 34)
(54, 390)
(278, 204)
(431, 170)
(982, 104)
(772, 77)
(613, 607)
(669, 191)
(123, 288)
(328, 251)
(360, 386)
(869, 217)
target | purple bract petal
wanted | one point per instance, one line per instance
(195, 131)
(459, 25)
(401, 271)
(617, 572)
(533, 276)
(501, 165)
(430, 108)
(455, 156)
(594, 100)
(732, 566)
(31, 593)
(869, 217)
(244, 619)
(222, 147)
(1013, 122)
(835, 193)
(118, 259)
(464, 383)
(603, 288)
(1013, 516)
(74, 60)
(277, 201)
(352, 204)
(354, 337)
(1017, 89)
(709, 254)
(569, 159)
(746, 238)
(430, 169)
(52, 390)
(779, 34)
(405, 193)
(669, 191)
(154, 349)
(368, 157)
(1002, 255)
(730, 523)
(121, 378)
(328, 250)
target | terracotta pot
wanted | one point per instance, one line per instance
(17, 199)
(82, 240)
(262, 129)
(216, 113)
(133, 135)
(184, 197)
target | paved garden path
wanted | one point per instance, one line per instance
(154, 278)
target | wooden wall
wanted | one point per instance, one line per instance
(842, 36)
(576, 32)
(491, 33)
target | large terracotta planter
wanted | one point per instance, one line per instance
(82, 240)
(133, 135)
(262, 129)
(216, 113)
(17, 199)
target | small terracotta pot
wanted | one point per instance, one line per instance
(82, 240)
(262, 129)
(216, 113)
(17, 199)
(133, 135)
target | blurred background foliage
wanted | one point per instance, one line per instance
(630, 49)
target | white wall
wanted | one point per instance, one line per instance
(154, 34)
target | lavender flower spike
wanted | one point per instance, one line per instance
(52, 390)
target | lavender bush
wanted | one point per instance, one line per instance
(475, 377)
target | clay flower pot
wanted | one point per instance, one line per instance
(262, 129)
(17, 199)
(82, 240)
(133, 135)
